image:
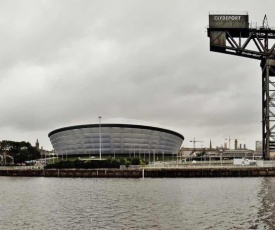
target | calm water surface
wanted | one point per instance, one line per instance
(78, 203)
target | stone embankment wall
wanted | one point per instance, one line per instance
(146, 172)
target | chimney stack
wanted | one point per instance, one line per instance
(236, 144)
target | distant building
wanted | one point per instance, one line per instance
(37, 144)
(258, 146)
(240, 153)
(42, 151)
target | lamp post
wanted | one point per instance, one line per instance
(99, 118)
(201, 153)
(154, 157)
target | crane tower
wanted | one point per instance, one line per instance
(231, 33)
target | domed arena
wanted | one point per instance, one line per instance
(115, 139)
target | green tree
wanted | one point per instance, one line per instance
(135, 161)
(127, 163)
(20, 151)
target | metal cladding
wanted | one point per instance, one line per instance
(114, 139)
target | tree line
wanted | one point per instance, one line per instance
(12, 152)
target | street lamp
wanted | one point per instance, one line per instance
(201, 153)
(154, 157)
(99, 118)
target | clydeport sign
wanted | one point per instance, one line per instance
(228, 21)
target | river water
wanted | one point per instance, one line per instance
(96, 203)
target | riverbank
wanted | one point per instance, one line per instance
(187, 172)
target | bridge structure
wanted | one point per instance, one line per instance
(231, 33)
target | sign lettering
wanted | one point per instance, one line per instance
(227, 18)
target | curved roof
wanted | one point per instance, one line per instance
(116, 125)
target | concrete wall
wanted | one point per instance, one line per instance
(266, 163)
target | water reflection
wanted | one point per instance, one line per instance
(182, 203)
(267, 197)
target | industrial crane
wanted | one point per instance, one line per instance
(231, 33)
(194, 142)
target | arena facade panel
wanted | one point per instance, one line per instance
(112, 139)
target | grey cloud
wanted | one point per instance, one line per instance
(66, 61)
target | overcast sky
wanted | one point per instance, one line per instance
(67, 62)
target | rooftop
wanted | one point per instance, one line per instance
(228, 12)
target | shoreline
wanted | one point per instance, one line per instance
(186, 172)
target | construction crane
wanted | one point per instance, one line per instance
(194, 142)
